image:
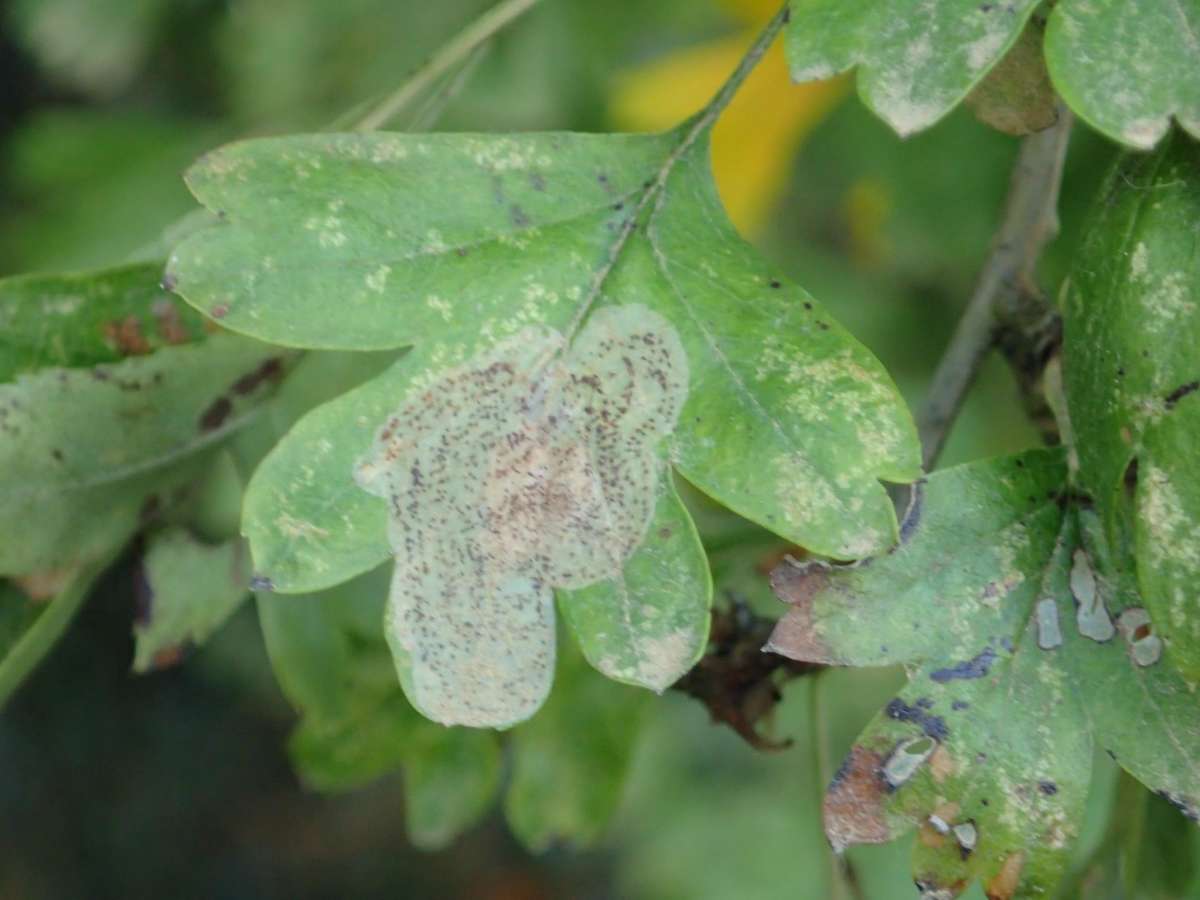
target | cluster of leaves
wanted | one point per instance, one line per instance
(1126, 68)
(453, 412)
(1039, 601)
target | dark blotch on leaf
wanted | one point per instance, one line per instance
(933, 726)
(270, 370)
(976, 667)
(1180, 392)
(214, 417)
(1049, 788)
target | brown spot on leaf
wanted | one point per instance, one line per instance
(219, 311)
(1003, 885)
(941, 764)
(270, 370)
(854, 802)
(216, 414)
(125, 336)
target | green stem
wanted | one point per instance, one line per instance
(454, 51)
(35, 643)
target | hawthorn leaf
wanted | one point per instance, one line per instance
(1131, 377)
(117, 396)
(571, 760)
(583, 312)
(991, 603)
(191, 589)
(79, 320)
(540, 230)
(915, 62)
(648, 625)
(1128, 67)
(984, 751)
(86, 452)
(330, 656)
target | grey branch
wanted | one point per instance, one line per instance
(1006, 290)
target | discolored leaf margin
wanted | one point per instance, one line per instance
(987, 751)
(1131, 376)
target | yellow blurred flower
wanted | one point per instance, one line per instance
(757, 136)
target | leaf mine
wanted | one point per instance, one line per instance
(1091, 615)
(532, 467)
(1145, 647)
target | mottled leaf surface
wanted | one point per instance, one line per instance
(916, 61)
(537, 231)
(191, 588)
(546, 242)
(530, 468)
(648, 624)
(116, 394)
(1128, 67)
(83, 451)
(987, 751)
(78, 320)
(1131, 372)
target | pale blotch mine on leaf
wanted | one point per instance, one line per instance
(1145, 647)
(532, 467)
(1049, 634)
(1091, 617)
(908, 756)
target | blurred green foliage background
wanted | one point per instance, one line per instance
(177, 784)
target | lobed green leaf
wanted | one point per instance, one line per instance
(915, 62)
(1004, 619)
(1128, 67)
(1131, 376)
